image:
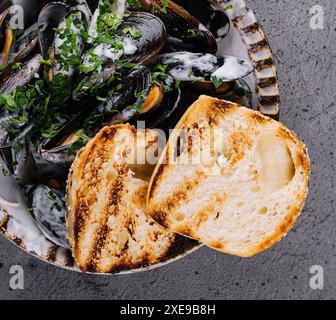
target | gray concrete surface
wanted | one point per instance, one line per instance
(307, 72)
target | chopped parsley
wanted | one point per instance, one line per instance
(165, 6)
(217, 82)
(192, 33)
(133, 31)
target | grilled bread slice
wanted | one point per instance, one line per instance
(230, 178)
(106, 200)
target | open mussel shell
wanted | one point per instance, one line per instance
(121, 105)
(184, 30)
(75, 18)
(49, 19)
(22, 76)
(210, 13)
(141, 51)
(30, 8)
(56, 150)
(17, 161)
(48, 208)
(87, 7)
(44, 171)
(187, 66)
(25, 45)
(162, 101)
(152, 39)
(9, 133)
(240, 93)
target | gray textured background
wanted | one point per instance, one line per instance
(306, 61)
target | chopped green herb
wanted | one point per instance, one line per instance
(164, 7)
(228, 7)
(192, 32)
(16, 66)
(217, 81)
(133, 31)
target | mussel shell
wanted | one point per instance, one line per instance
(53, 151)
(49, 19)
(210, 13)
(187, 66)
(17, 161)
(240, 93)
(166, 108)
(93, 84)
(152, 40)
(78, 17)
(24, 46)
(8, 84)
(135, 88)
(48, 208)
(184, 30)
(86, 8)
(153, 36)
(31, 9)
(22, 76)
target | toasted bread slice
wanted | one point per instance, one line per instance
(230, 177)
(106, 200)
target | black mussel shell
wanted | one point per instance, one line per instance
(187, 66)
(46, 172)
(57, 150)
(48, 208)
(18, 162)
(121, 105)
(24, 46)
(184, 30)
(153, 36)
(240, 93)
(210, 13)
(171, 95)
(85, 7)
(77, 18)
(50, 17)
(31, 9)
(8, 84)
(17, 78)
(152, 40)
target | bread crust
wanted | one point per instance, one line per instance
(106, 222)
(213, 113)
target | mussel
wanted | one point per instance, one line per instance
(210, 13)
(49, 19)
(58, 150)
(141, 98)
(205, 70)
(17, 161)
(22, 76)
(24, 46)
(16, 40)
(162, 101)
(184, 30)
(45, 171)
(47, 206)
(12, 129)
(69, 44)
(123, 103)
(139, 49)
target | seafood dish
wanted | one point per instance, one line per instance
(76, 80)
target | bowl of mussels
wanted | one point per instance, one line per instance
(70, 68)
